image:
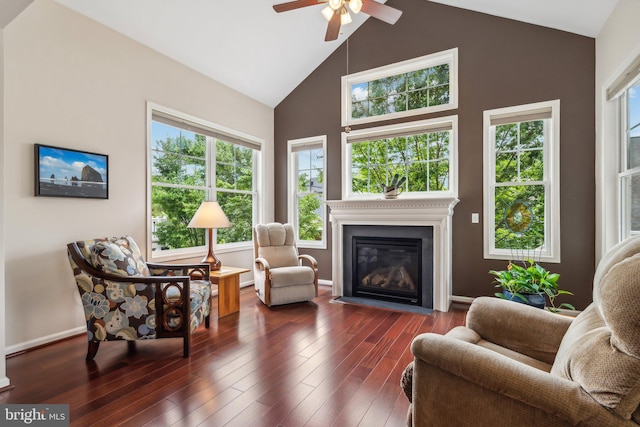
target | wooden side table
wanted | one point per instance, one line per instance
(228, 281)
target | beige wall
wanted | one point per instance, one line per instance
(74, 83)
(616, 46)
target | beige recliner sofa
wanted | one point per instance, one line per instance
(514, 365)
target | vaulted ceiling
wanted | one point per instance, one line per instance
(265, 55)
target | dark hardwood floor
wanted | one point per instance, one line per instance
(310, 364)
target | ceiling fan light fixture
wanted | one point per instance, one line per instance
(345, 18)
(335, 4)
(355, 5)
(327, 12)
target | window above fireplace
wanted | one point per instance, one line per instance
(424, 153)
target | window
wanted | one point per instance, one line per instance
(307, 190)
(629, 175)
(192, 161)
(424, 153)
(417, 86)
(521, 167)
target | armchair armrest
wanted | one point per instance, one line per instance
(263, 265)
(310, 259)
(195, 271)
(518, 327)
(314, 265)
(514, 382)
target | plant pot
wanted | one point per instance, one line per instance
(534, 300)
(391, 192)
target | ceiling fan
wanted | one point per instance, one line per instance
(337, 12)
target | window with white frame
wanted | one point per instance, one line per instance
(306, 158)
(629, 172)
(416, 86)
(192, 161)
(424, 153)
(521, 182)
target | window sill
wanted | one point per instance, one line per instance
(200, 252)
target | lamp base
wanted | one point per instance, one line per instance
(210, 258)
(213, 261)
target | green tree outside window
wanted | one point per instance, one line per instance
(423, 159)
(519, 177)
(407, 91)
(179, 173)
(309, 194)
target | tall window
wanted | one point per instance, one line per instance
(307, 190)
(629, 175)
(522, 182)
(416, 86)
(421, 155)
(192, 161)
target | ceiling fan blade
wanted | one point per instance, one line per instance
(284, 7)
(381, 11)
(333, 29)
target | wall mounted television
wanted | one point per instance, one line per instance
(64, 172)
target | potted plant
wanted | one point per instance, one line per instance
(394, 188)
(531, 284)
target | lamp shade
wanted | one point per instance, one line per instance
(209, 215)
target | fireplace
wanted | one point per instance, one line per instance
(434, 212)
(389, 263)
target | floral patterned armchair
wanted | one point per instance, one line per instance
(126, 298)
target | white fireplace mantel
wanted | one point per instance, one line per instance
(435, 212)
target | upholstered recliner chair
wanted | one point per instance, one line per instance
(514, 365)
(125, 298)
(279, 276)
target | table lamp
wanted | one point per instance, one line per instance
(210, 215)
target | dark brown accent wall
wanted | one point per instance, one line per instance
(501, 63)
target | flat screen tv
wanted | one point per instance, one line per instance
(64, 172)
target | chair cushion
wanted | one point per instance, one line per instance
(291, 276)
(119, 256)
(279, 256)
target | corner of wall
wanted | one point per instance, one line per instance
(4, 381)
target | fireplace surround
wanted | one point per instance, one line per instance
(428, 212)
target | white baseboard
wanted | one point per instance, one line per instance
(463, 300)
(321, 282)
(17, 348)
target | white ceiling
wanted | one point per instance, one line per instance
(265, 55)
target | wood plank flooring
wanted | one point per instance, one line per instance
(310, 364)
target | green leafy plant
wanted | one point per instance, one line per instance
(396, 182)
(530, 278)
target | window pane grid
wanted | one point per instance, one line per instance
(519, 152)
(308, 197)
(407, 91)
(423, 160)
(180, 177)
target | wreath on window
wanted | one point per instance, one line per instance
(518, 217)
